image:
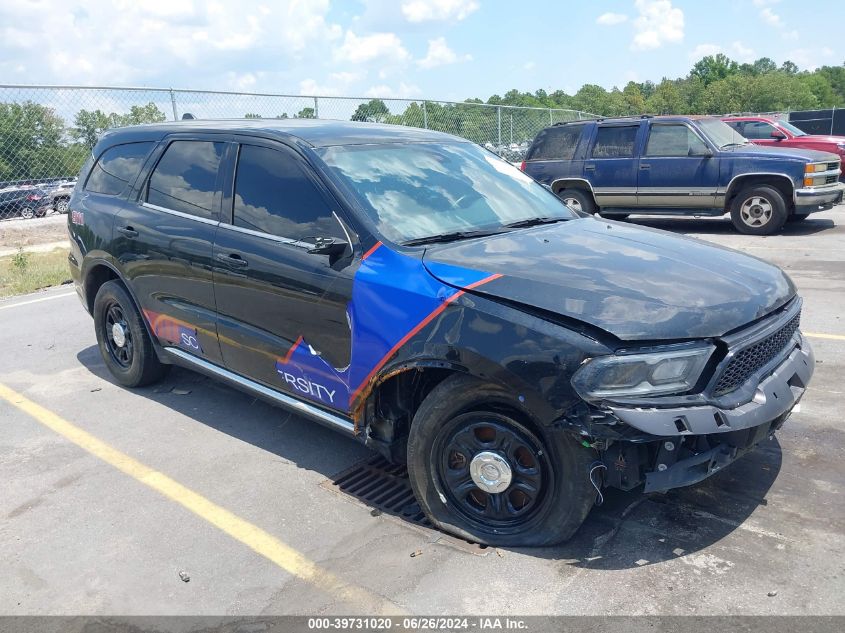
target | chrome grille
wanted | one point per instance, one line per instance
(750, 359)
(832, 166)
(831, 179)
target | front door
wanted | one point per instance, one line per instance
(611, 167)
(282, 310)
(677, 169)
(163, 240)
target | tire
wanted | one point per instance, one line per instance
(457, 428)
(134, 363)
(797, 217)
(61, 205)
(758, 210)
(27, 213)
(578, 200)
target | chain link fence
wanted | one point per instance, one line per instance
(46, 132)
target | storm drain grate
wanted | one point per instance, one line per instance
(386, 487)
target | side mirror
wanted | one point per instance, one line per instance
(778, 135)
(328, 246)
(703, 152)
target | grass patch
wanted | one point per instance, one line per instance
(24, 272)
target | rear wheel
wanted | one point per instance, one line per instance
(759, 210)
(578, 200)
(27, 213)
(61, 205)
(486, 475)
(123, 340)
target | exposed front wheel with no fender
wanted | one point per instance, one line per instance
(483, 473)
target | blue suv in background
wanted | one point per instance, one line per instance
(681, 165)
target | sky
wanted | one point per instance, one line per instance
(439, 49)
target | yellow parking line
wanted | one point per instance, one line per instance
(239, 529)
(832, 337)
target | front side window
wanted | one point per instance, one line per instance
(673, 140)
(615, 142)
(184, 179)
(757, 130)
(117, 168)
(413, 191)
(273, 194)
(791, 128)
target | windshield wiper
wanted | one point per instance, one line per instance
(449, 237)
(727, 145)
(521, 224)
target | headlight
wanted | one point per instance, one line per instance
(811, 168)
(651, 374)
(841, 146)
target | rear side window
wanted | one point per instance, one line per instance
(185, 178)
(673, 140)
(273, 194)
(117, 168)
(615, 142)
(556, 143)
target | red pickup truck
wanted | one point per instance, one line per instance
(764, 130)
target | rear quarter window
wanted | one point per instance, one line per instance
(615, 142)
(556, 143)
(117, 168)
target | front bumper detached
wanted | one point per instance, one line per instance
(776, 395)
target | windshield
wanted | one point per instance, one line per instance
(791, 128)
(418, 190)
(720, 133)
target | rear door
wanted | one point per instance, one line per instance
(677, 169)
(163, 240)
(611, 166)
(283, 310)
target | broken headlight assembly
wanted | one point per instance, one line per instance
(642, 374)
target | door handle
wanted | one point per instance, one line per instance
(642, 166)
(589, 167)
(128, 231)
(232, 259)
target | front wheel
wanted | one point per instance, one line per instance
(61, 205)
(758, 210)
(27, 213)
(486, 475)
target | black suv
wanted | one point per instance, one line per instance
(415, 291)
(682, 165)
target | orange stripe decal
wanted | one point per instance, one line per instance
(371, 251)
(434, 313)
(292, 349)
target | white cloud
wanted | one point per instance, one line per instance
(704, 50)
(658, 23)
(162, 41)
(339, 83)
(611, 19)
(439, 54)
(810, 58)
(529, 66)
(790, 35)
(770, 17)
(404, 90)
(442, 10)
(737, 51)
(382, 46)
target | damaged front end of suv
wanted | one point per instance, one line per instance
(673, 415)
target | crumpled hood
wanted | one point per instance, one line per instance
(637, 284)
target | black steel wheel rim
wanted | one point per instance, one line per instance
(120, 354)
(470, 434)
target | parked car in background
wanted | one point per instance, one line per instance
(59, 196)
(26, 202)
(682, 165)
(412, 290)
(775, 132)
